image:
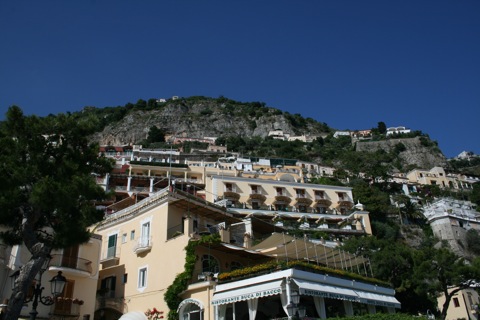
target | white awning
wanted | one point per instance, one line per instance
(133, 315)
(378, 299)
(249, 292)
(326, 291)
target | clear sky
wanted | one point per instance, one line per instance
(348, 63)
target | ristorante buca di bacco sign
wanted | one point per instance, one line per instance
(248, 296)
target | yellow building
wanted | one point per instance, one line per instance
(143, 254)
(79, 265)
(463, 305)
(437, 176)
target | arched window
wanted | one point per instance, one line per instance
(190, 309)
(210, 264)
(192, 312)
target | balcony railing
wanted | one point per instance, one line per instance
(110, 257)
(143, 244)
(175, 231)
(61, 261)
(66, 308)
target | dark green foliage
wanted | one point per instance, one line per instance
(475, 195)
(155, 135)
(470, 166)
(181, 282)
(382, 128)
(47, 167)
(399, 147)
(375, 200)
(206, 112)
(48, 187)
(473, 241)
(437, 270)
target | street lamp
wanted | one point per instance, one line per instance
(57, 285)
(294, 309)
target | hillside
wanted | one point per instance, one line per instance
(244, 127)
(412, 152)
(199, 117)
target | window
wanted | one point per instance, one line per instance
(108, 286)
(456, 303)
(255, 189)
(302, 208)
(112, 246)
(319, 194)
(142, 278)
(209, 264)
(132, 235)
(125, 278)
(124, 238)
(279, 191)
(228, 187)
(322, 210)
(145, 236)
(300, 193)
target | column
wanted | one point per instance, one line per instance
(107, 181)
(129, 183)
(151, 185)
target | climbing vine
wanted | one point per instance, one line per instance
(180, 284)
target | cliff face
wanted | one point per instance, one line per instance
(417, 152)
(199, 117)
(206, 118)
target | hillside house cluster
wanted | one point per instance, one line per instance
(254, 268)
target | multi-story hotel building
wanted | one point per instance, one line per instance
(255, 268)
(155, 257)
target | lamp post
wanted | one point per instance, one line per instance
(57, 285)
(294, 309)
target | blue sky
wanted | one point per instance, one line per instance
(347, 63)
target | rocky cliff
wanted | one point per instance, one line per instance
(198, 118)
(415, 152)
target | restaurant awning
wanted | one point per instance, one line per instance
(249, 292)
(326, 291)
(378, 299)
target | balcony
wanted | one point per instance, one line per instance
(322, 201)
(111, 258)
(144, 244)
(231, 195)
(73, 266)
(347, 204)
(303, 200)
(65, 308)
(257, 195)
(282, 199)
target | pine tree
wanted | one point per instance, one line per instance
(48, 189)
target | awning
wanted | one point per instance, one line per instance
(133, 315)
(249, 292)
(326, 291)
(378, 299)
